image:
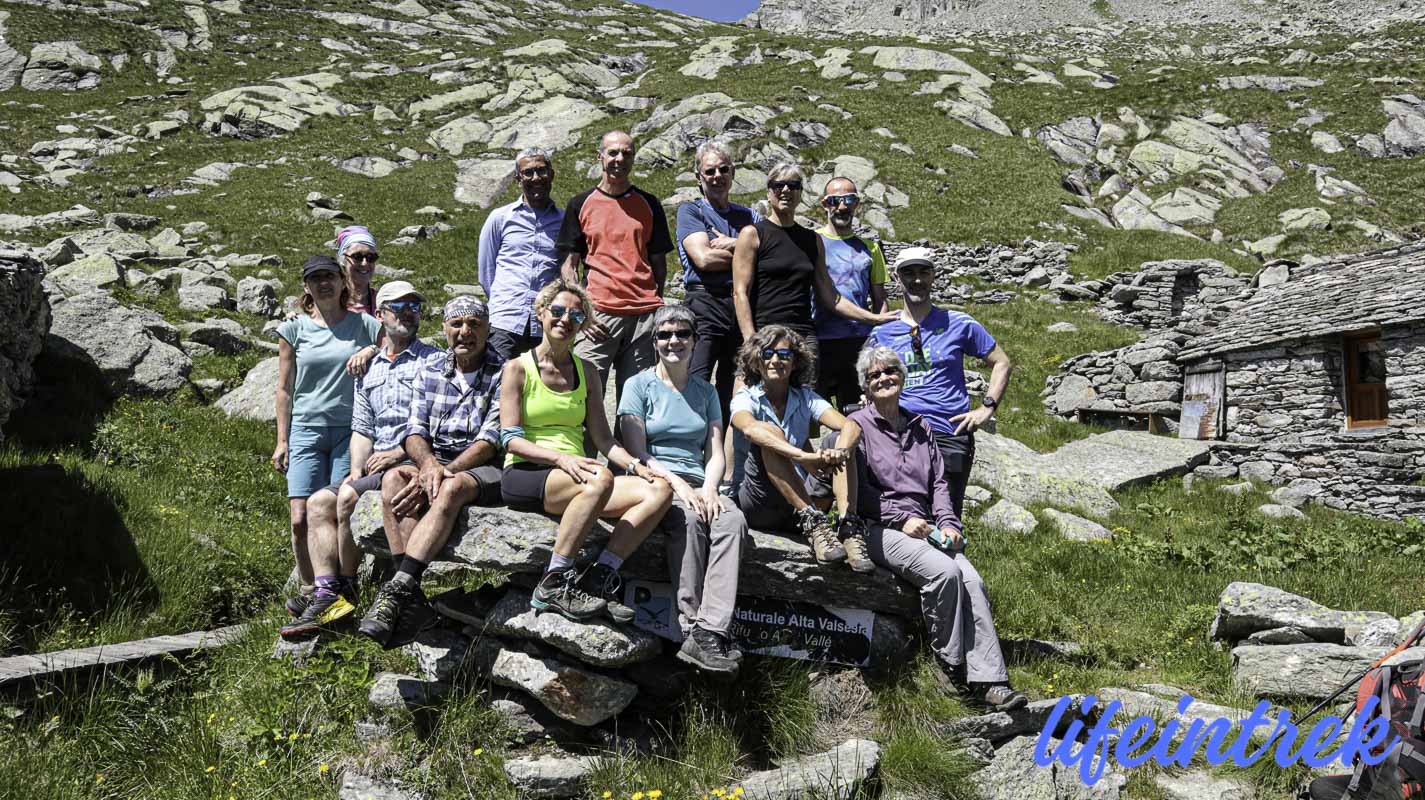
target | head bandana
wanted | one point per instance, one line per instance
(466, 306)
(352, 235)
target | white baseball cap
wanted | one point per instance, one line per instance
(395, 290)
(915, 255)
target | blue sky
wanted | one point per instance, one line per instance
(726, 10)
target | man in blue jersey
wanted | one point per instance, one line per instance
(858, 269)
(707, 235)
(933, 343)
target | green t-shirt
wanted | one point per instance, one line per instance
(676, 422)
(322, 391)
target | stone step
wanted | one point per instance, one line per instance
(49, 667)
(772, 565)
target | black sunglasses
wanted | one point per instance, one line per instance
(536, 172)
(848, 200)
(369, 258)
(680, 333)
(720, 169)
(877, 374)
(784, 353)
(557, 311)
(780, 185)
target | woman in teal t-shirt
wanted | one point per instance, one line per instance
(314, 393)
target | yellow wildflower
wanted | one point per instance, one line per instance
(607, 795)
(324, 769)
(477, 751)
(637, 796)
(211, 770)
(262, 763)
(99, 778)
(293, 737)
(737, 791)
(655, 794)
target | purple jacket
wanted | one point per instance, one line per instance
(901, 474)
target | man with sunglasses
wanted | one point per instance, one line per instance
(619, 234)
(858, 269)
(707, 237)
(381, 411)
(517, 254)
(933, 343)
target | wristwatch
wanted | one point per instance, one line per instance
(989, 402)
(632, 468)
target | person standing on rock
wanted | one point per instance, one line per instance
(356, 251)
(707, 238)
(452, 436)
(618, 233)
(671, 421)
(314, 395)
(518, 256)
(858, 269)
(915, 532)
(381, 412)
(933, 342)
(779, 270)
(772, 415)
(551, 399)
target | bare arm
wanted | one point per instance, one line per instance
(286, 377)
(660, 271)
(998, 360)
(717, 461)
(704, 255)
(744, 262)
(569, 270)
(832, 299)
(599, 426)
(879, 302)
(767, 436)
(360, 450)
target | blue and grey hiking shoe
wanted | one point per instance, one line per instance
(559, 591)
(604, 582)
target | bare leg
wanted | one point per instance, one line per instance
(434, 528)
(322, 532)
(578, 505)
(398, 529)
(297, 506)
(637, 505)
(347, 555)
(783, 473)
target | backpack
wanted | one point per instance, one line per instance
(1400, 692)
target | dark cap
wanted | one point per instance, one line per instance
(317, 264)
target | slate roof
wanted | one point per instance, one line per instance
(1353, 293)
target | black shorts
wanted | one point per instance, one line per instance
(362, 485)
(522, 485)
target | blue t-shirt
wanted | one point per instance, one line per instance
(322, 392)
(935, 384)
(855, 265)
(803, 406)
(676, 422)
(699, 216)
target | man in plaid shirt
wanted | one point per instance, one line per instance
(453, 438)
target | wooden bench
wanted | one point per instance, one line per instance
(47, 667)
(1153, 419)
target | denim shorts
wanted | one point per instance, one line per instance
(317, 456)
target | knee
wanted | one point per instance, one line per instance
(601, 485)
(299, 519)
(346, 500)
(392, 482)
(321, 505)
(660, 493)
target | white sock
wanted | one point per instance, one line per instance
(558, 563)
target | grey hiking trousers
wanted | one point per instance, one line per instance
(952, 599)
(703, 560)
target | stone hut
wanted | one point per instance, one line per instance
(1320, 376)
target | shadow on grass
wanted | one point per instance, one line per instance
(68, 550)
(65, 407)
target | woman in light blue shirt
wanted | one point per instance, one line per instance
(672, 421)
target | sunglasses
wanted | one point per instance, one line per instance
(680, 333)
(536, 172)
(835, 200)
(875, 375)
(557, 311)
(784, 353)
(369, 258)
(917, 344)
(720, 169)
(778, 186)
(405, 306)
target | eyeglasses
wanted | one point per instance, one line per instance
(557, 311)
(720, 169)
(536, 172)
(835, 200)
(680, 333)
(875, 375)
(369, 258)
(614, 152)
(784, 353)
(405, 306)
(778, 186)
(917, 344)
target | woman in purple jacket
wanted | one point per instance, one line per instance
(913, 531)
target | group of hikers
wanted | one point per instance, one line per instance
(783, 328)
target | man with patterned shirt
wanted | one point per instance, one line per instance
(380, 415)
(858, 269)
(453, 439)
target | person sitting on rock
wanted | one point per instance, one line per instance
(552, 399)
(314, 399)
(671, 420)
(378, 427)
(772, 416)
(904, 494)
(452, 437)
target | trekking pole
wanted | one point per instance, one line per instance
(1409, 642)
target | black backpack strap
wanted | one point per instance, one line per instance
(1412, 759)
(1418, 716)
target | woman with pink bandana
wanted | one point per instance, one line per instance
(356, 251)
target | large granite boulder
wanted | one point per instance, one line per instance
(1013, 775)
(596, 642)
(1025, 477)
(1246, 608)
(550, 776)
(24, 322)
(838, 774)
(574, 693)
(60, 66)
(134, 350)
(282, 106)
(256, 398)
(1312, 671)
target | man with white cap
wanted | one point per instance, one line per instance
(453, 439)
(933, 343)
(380, 415)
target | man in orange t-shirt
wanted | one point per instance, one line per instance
(619, 234)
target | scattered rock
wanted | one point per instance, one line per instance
(1279, 512)
(355, 786)
(89, 273)
(596, 642)
(393, 692)
(223, 335)
(481, 181)
(1376, 633)
(258, 296)
(203, 297)
(551, 776)
(439, 653)
(576, 694)
(1245, 608)
(1304, 219)
(1013, 775)
(1286, 635)
(256, 397)
(1009, 516)
(837, 774)
(1077, 528)
(135, 351)
(60, 66)
(1313, 671)
(1199, 785)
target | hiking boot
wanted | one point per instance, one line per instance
(397, 615)
(729, 648)
(820, 536)
(999, 697)
(319, 612)
(852, 531)
(952, 679)
(706, 650)
(604, 582)
(297, 603)
(559, 591)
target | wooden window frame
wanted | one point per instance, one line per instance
(1349, 347)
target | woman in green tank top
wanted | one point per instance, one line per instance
(549, 399)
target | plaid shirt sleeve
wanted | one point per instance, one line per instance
(362, 420)
(490, 430)
(419, 424)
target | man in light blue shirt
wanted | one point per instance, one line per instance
(517, 255)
